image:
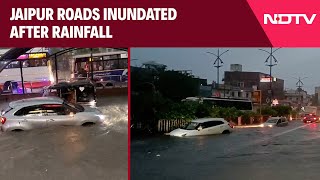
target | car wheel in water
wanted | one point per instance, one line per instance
(226, 132)
(88, 124)
(17, 130)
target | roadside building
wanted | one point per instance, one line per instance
(242, 84)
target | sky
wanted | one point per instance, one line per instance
(292, 62)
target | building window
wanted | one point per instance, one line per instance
(239, 94)
(232, 94)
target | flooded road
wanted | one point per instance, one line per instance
(291, 152)
(97, 152)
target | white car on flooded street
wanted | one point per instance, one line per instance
(205, 126)
(27, 114)
(276, 122)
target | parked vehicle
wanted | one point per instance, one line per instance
(205, 126)
(276, 121)
(43, 112)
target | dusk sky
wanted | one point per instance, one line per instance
(292, 62)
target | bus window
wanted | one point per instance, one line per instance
(13, 64)
(123, 63)
(111, 64)
(229, 103)
(98, 66)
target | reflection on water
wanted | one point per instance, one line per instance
(75, 144)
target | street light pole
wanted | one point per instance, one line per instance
(271, 79)
(300, 85)
(271, 64)
(217, 63)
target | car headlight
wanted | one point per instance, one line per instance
(270, 125)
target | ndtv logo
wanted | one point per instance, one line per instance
(288, 18)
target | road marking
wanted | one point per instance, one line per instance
(231, 150)
(290, 130)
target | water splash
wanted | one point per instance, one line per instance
(116, 117)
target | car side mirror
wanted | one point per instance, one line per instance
(199, 128)
(1, 112)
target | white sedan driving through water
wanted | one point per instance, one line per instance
(205, 126)
(27, 114)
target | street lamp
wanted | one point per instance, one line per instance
(272, 62)
(299, 86)
(217, 63)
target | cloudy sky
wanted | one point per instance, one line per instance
(292, 62)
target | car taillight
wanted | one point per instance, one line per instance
(3, 120)
(304, 118)
(314, 118)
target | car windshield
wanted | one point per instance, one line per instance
(75, 106)
(3, 112)
(191, 126)
(272, 120)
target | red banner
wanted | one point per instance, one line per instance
(203, 23)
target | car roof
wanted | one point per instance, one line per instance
(35, 101)
(202, 120)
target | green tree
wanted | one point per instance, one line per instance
(282, 110)
(177, 86)
(269, 111)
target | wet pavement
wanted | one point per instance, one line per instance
(97, 152)
(291, 152)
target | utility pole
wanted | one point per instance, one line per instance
(91, 58)
(272, 62)
(299, 86)
(218, 63)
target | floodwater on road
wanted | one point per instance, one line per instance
(97, 152)
(291, 152)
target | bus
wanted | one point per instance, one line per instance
(36, 72)
(239, 104)
(110, 70)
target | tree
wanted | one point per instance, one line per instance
(268, 111)
(282, 110)
(177, 86)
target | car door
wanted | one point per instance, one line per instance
(281, 122)
(58, 114)
(31, 117)
(278, 122)
(212, 127)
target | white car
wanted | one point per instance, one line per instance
(205, 126)
(43, 112)
(275, 121)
